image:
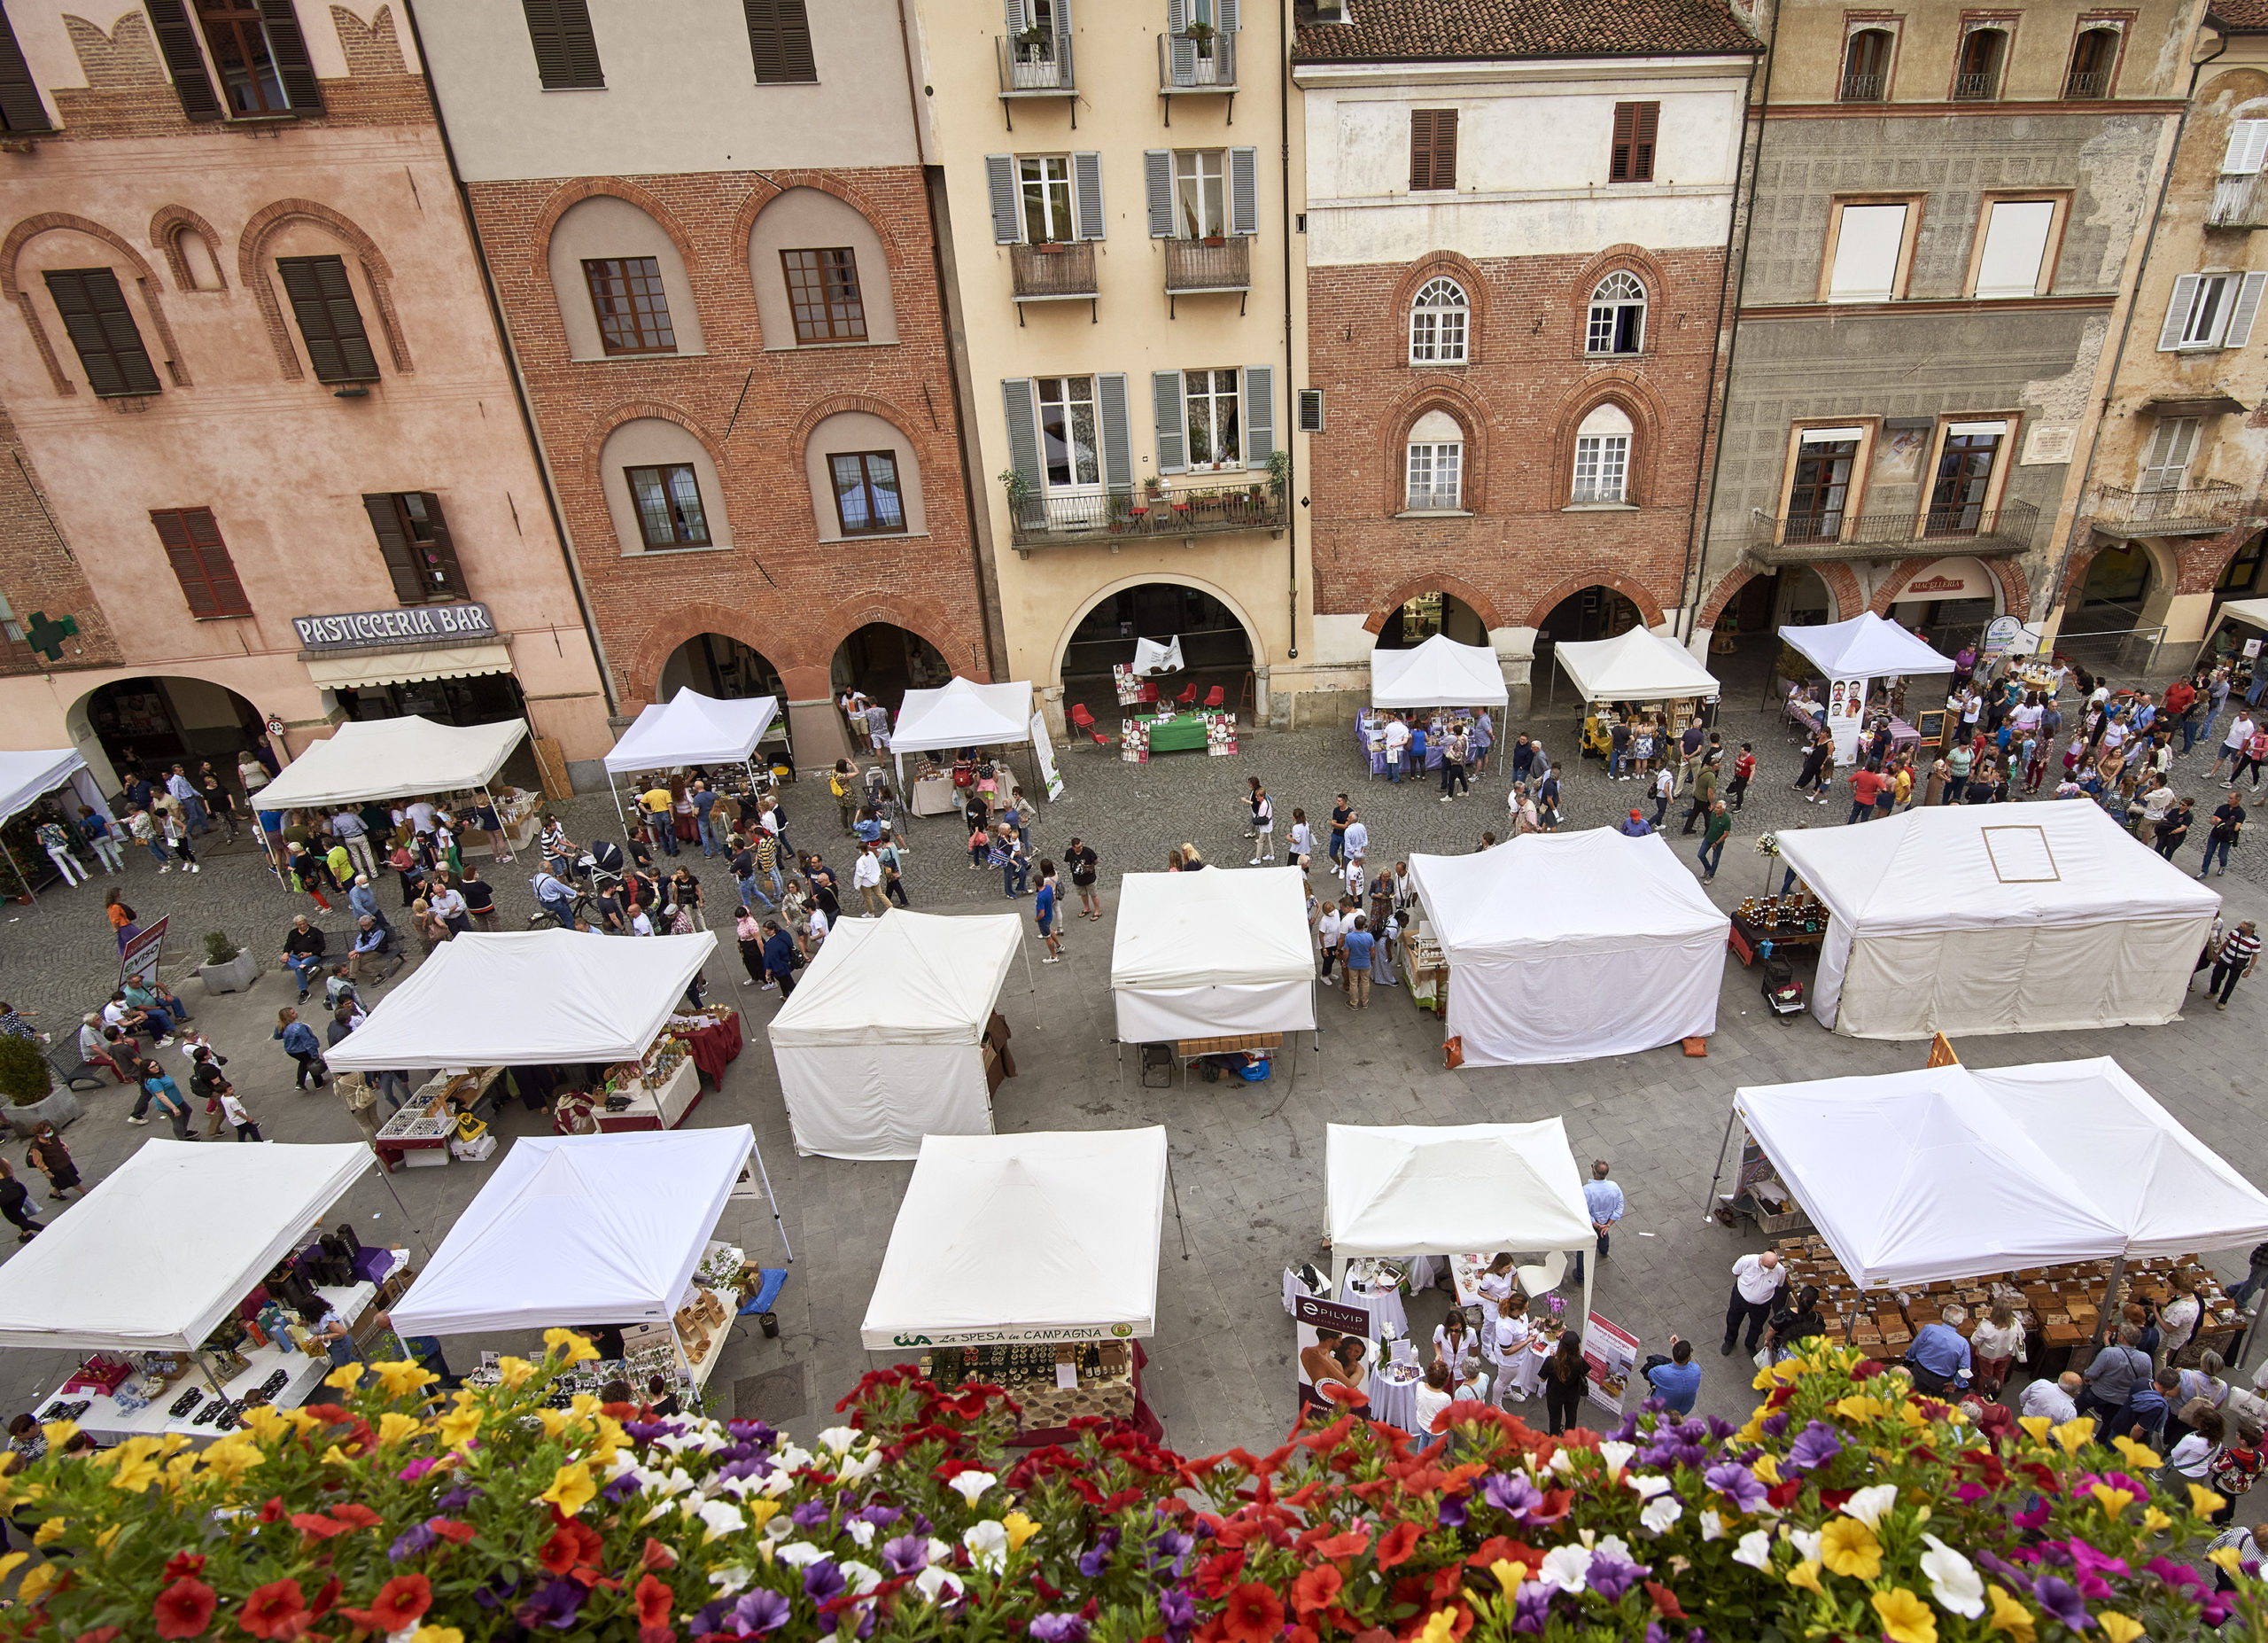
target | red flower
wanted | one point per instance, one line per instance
(1353, 1543)
(1316, 1589)
(277, 1610)
(402, 1601)
(1398, 1543)
(315, 1526)
(271, 1510)
(1254, 1614)
(352, 1515)
(101, 1634)
(656, 1555)
(1783, 1494)
(182, 1565)
(1665, 1603)
(571, 1544)
(653, 1600)
(449, 1529)
(325, 1598)
(1215, 1573)
(185, 1609)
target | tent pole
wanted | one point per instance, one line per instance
(1708, 1208)
(410, 1221)
(499, 850)
(1175, 1191)
(769, 1197)
(2110, 1309)
(30, 899)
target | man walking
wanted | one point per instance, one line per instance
(192, 803)
(2238, 954)
(1756, 1280)
(1397, 738)
(1818, 768)
(1604, 1199)
(1358, 942)
(1665, 786)
(2228, 825)
(1705, 794)
(1743, 772)
(1713, 840)
(1454, 750)
(1342, 813)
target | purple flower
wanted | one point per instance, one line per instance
(760, 1611)
(414, 1539)
(2058, 1599)
(1531, 1606)
(2216, 1609)
(1167, 1549)
(1654, 1633)
(908, 1554)
(1612, 1577)
(1776, 1423)
(621, 1488)
(456, 1499)
(752, 1431)
(1737, 1484)
(2001, 1566)
(810, 1514)
(1096, 1559)
(647, 1431)
(556, 1606)
(1814, 1446)
(822, 1580)
(1058, 1628)
(2174, 1574)
(711, 1617)
(2036, 1518)
(1511, 1493)
(1720, 1429)
(880, 1516)
(1629, 1430)
(1179, 1610)
(1454, 1512)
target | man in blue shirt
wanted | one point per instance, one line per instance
(1679, 1380)
(1604, 1199)
(1636, 827)
(779, 957)
(1359, 944)
(1938, 1358)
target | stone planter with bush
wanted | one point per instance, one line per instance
(31, 1090)
(227, 968)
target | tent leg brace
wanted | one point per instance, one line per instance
(773, 1199)
(1175, 1191)
(1708, 1209)
(393, 1192)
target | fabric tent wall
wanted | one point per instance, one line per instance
(1210, 954)
(1439, 673)
(27, 778)
(371, 759)
(1558, 1007)
(875, 1101)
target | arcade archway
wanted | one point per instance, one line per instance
(1217, 650)
(720, 665)
(1419, 619)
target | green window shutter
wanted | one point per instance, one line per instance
(1117, 432)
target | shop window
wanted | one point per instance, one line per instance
(415, 541)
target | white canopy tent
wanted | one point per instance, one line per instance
(1566, 947)
(1639, 666)
(1212, 954)
(2251, 612)
(1158, 655)
(882, 1042)
(693, 730)
(184, 1233)
(1453, 1189)
(1439, 673)
(28, 777)
(527, 998)
(581, 1229)
(1961, 918)
(1854, 653)
(1950, 1172)
(1049, 1235)
(371, 759)
(964, 714)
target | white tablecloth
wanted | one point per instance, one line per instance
(1383, 1308)
(1151, 656)
(1396, 1405)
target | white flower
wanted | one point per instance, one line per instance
(731, 1578)
(792, 1459)
(860, 1531)
(1755, 1549)
(839, 1438)
(933, 1582)
(1712, 1526)
(1954, 1580)
(970, 1485)
(1564, 1567)
(988, 1544)
(1647, 1483)
(776, 1482)
(778, 1529)
(1868, 1505)
(1805, 1543)
(1614, 1546)
(862, 1579)
(722, 1517)
(1563, 1462)
(937, 1549)
(1616, 1455)
(858, 1469)
(800, 1553)
(1660, 1514)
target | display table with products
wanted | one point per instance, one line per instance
(1053, 1384)
(420, 1131)
(1787, 922)
(521, 814)
(1424, 968)
(714, 1038)
(656, 1101)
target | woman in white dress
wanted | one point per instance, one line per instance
(2178, 1318)
(1495, 1284)
(1503, 1342)
(1452, 1339)
(1993, 1347)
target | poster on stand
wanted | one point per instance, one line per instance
(138, 958)
(1043, 752)
(1333, 1350)
(1611, 1354)
(1846, 708)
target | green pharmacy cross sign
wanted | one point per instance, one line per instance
(47, 637)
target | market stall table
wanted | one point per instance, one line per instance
(934, 795)
(655, 1107)
(1394, 1396)
(1903, 738)
(1375, 1287)
(1788, 921)
(1177, 733)
(715, 1045)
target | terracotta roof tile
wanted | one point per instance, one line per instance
(2245, 17)
(1455, 30)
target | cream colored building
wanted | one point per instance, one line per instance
(1114, 183)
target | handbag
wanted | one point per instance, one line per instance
(1453, 1053)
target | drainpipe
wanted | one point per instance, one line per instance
(1292, 422)
(512, 369)
(1732, 348)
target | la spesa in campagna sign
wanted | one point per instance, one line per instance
(445, 624)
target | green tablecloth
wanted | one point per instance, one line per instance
(1181, 734)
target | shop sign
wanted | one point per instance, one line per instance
(138, 958)
(442, 624)
(1612, 1353)
(1961, 578)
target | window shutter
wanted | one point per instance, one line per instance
(1063, 41)
(1117, 432)
(329, 322)
(21, 112)
(1165, 400)
(2176, 312)
(1445, 148)
(200, 562)
(2248, 307)
(1421, 149)
(1645, 126)
(1625, 121)
(1086, 182)
(566, 50)
(2248, 148)
(443, 552)
(1023, 430)
(394, 548)
(1225, 13)
(1244, 191)
(289, 47)
(177, 43)
(779, 36)
(1310, 410)
(1157, 185)
(1181, 50)
(1259, 414)
(102, 331)
(1000, 181)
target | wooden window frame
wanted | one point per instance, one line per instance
(571, 46)
(1862, 463)
(215, 572)
(645, 532)
(117, 359)
(1636, 143)
(1427, 142)
(348, 366)
(866, 482)
(235, 18)
(1891, 23)
(791, 61)
(1902, 276)
(596, 269)
(819, 285)
(2123, 24)
(2003, 459)
(413, 584)
(1972, 22)
(2051, 254)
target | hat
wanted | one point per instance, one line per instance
(1633, 815)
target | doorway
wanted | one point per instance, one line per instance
(883, 661)
(1418, 619)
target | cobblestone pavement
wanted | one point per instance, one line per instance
(1247, 1160)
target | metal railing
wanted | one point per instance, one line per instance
(1054, 521)
(2007, 529)
(2086, 83)
(2192, 510)
(2239, 202)
(1975, 88)
(1209, 264)
(1863, 88)
(2122, 655)
(1435, 499)
(1182, 67)
(1058, 270)
(1035, 70)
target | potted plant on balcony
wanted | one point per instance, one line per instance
(1202, 34)
(1048, 246)
(1034, 36)
(1019, 486)
(1279, 473)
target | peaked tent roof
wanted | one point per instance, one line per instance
(1639, 666)
(579, 1229)
(692, 728)
(2254, 613)
(1866, 646)
(1962, 866)
(1439, 673)
(1045, 1236)
(1419, 1189)
(392, 758)
(902, 979)
(1596, 890)
(1237, 927)
(964, 714)
(27, 778)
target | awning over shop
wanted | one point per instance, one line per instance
(385, 668)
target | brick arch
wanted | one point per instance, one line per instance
(1628, 258)
(896, 416)
(572, 193)
(1895, 582)
(1649, 609)
(1628, 392)
(606, 421)
(1842, 589)
(252, 246)
(1473, 415)
(1467, 274)
(772, 184)
(2015, 595)
(31, 229)
(1721, 595)
(925, 617)
(166, 225)
(1409, 587)
(672, 628)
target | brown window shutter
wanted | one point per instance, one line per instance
(177, 42)
(102, 330)
(289, 47)
(20, 109)
(779, 36)
(566, 50)
(1625, 119)
(443, 573)
(394, 548)
(1642, 142)
(1421, 149)
(324, 299)
(200, 562)
(1445, 148)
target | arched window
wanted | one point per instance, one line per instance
(1603, 456)
(1438, 324)
(1982, 51)
(1865, 66)
(2094, 54)
(1618, 322)
(864, 478)
(621, 283)
(1436, 464)
(662, 489)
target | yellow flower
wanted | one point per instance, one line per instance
(1905, 1617)
(104, 1541)
(437, 1634)
(1912, 1416)
(578, 1347)
(2140, 1456)
(134, 1469)
(58, 1433)
(555, 1420)
(31, 1585)
(1019, 1529)
(8, 1563)
(1753, 1432)
(760, 1512)
(49, 1531)
(514, 1372)
(2037, 1425)
(461, 1425)
(572, 1489)
(393, 1426)
(1861, 1406)
(611, 1437)
(1767, 1468)
(2204, 1501)
(344, 1377)
(2228, 1560)
(268, 1423)
(2074, 1435)
(2154, 1519)
(2008, 1616)
(1849, 1547)
(1509, 1574)
(1805, 1575)
(1439, 1625)
(2113, 1501)
(2117, 1627)
(402, 1379)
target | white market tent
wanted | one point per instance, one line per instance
(1639, 666)
(964, 714)
(1212, 954)
(579, 1229)
(1961, 918)
(882, 1042)
(1565, 947)
(1439, 673)
(2251, 612)
(1452, 1190)
(1866, 646)
(1048, 1235)
(28, 777)
(527, 998)
(693, 730)
(185, 1231)
(1950, 1172)
(370, 759)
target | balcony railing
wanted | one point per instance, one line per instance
(1074, 521)
(2239, 202)
(2087, 84)
(1862, 88)
(1209, 265)
(1058, 272)
(1184, 66)
(1807, 538)
(1975, 88)
(1432, 499)
(1036, 71)
(2193, 510)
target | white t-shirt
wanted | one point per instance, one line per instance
(867, 874)
(1397, 737)
(818, 927)
(1756, 1280)
(2179, 1322)
(233, 1110)
(1302, 839)
(420, 816)
(1503, 1336)
(1494, 1286)
(1264, 817)
(1329, 927)
(1429, 1404)
(2240, 730)
(640, 924)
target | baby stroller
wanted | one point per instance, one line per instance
(1781, 990)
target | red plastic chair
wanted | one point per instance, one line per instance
(1081, 720)
(1188, 696)
(1212, 698)
(1149, 692)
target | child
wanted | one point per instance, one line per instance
(1744, 771)
(980, 847)
(1302, 841)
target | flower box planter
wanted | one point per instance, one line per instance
(60, 1109)
(236, 976)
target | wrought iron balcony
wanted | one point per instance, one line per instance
(2085, 85)
(1989, 533)
(1105, 520)
(2239, 201)
(2193, 510)
(1975, 88)
(1044, 70)
(1056, 272)
(1218, 264)
(1863, 88)
(1189, 65)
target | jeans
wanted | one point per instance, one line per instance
(199, 819)
(158, 849)
(2225, 979)
(1337, 845)
(709, 845)
(1860, 813)
(894, 889)
(1394, 768)
(1614, 764)
(310, 1067)
(1756, 1313)
(1711, 855)
(750, 893)
(305, 967)
(1013, 877)
(2211, 844)
(1661, 809)
(1953, 787)
(561, 909)
(2189, 733)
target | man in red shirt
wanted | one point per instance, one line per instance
(1865, 784)
(1743, 770)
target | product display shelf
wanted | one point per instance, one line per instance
(652, 1108)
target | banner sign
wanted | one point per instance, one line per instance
(1999, 636)
(448, 624)
(1043, 752)
(138, 959)
(1846, 708)
(1611, 1354)
(1334, 1350)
